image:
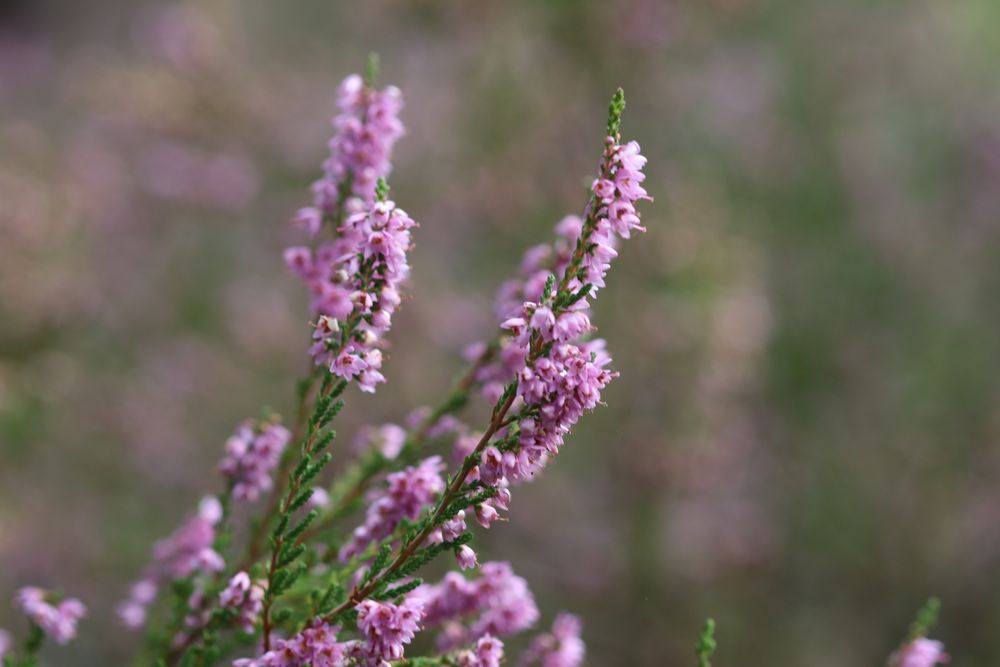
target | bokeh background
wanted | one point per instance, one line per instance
(804, 439)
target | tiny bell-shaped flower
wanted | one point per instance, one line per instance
(466, 557)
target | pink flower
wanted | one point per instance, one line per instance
(489, 650)
(354, 278)
(320, 498)
(347, 365)
(387, 627)
(299, 259)
(57, 621)
(624, 218)
(309, 219)
(921, 652)
(497, 603)
(466, 557)
(251, 455)
(486, 514)
(516, 326)
(366, 129)
(603, 188)
(522, 307)
(316, 645)
(331, 299)
(491, 467)
(246, 597)
(488, 653)
(408, 492)
(570, 326)
(132, 611)
(543, 321)
(560, 386)
(210, 510)
(560, 648)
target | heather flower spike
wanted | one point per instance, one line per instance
(288, 566)
(251, 455)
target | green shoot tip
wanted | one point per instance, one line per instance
(371, 69)
(615, 110)
(706, 643)
(925, 620)
(381, 190)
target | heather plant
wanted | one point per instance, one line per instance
(290, 588)
(284, 566)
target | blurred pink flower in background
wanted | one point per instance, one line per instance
(921, 652)
(174, 171)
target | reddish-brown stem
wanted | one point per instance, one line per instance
(361, 592)
(416, 438)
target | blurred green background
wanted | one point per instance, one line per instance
(804, 439)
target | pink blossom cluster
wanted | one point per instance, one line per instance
(407, 493)
(251, 455)
(354, 282)
(246, 598)
(387, 628)
(497, 603)
(487, 653)
(921, 652)
(58, 621)
(132, 611)
(365, 130)
(188, 550)
(538, 263)
(562, 647)
(557, 389)
(616, 192)
(5, 642)
(316, 646)
(354, 277)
